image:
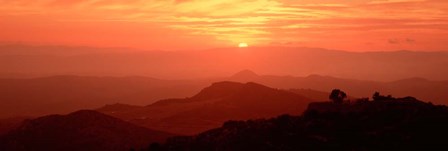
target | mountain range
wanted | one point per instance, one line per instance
(250, 113)
(65, 94)
(212, 106)
(122, 126)
(424, 89)
(79, 131)
(39, 61)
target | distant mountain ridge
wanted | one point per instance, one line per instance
(65, 94)
(80, 130)
(301, 61)
(213, 105)
(433, 91)
(244, 75)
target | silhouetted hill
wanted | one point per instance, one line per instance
(401, 124)
(9, 124)
(433, 91)
(81, 130)
(312, 94)
(119, 107)
(219, 90)
(213, 105)
(64, 94)
(244, 75)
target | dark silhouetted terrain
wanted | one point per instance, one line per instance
(400, 124)
(212, 106)
(8, 124)
(79, 131)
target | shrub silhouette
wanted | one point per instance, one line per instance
(378, 97)
(337, 96)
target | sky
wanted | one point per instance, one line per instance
(352, 25)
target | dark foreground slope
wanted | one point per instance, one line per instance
(81, 130)
(403, 124)
(9, 124)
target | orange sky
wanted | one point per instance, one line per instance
(355, 25)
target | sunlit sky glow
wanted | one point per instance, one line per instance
(355, 25)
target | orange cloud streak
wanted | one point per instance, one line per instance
(358, 25)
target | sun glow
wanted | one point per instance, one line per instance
(243, 45)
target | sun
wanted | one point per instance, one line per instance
(243, 45)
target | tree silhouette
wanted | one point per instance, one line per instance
(378, 97)
(337, 96)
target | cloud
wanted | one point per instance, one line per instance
(409, 40)
(254, 21)
(394, 1)
(397, 41)
(394, 41)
